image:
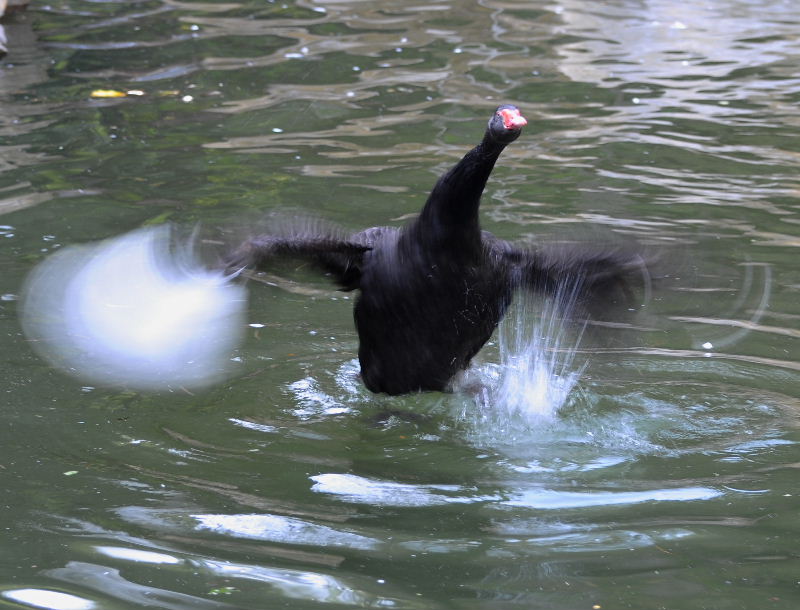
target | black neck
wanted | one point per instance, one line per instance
(452, 206)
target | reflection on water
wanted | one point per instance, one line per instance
(40, 598)
(659, 464)
(549, 500)
(351, 488)
(281, 529)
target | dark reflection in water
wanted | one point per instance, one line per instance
(669, 472)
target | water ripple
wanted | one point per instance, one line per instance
(357, 489)
(548, 499)
(274, 528)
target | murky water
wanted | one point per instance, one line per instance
(667, 477)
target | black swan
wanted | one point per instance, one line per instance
(432, 292)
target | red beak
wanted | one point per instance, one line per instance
(512, 119)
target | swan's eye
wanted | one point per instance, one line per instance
(512, 119)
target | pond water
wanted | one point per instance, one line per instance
(667, 478)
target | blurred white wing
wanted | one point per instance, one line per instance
(130, 311)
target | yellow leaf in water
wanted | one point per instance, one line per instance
(107, 93)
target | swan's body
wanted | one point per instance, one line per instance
(432, 293)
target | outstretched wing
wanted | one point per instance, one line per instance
(602, 281)
(323, 244)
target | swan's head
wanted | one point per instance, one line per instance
(506, 123)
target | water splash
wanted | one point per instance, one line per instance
(537, 359)
(537, 374)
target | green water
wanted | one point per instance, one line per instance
(669, 477)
